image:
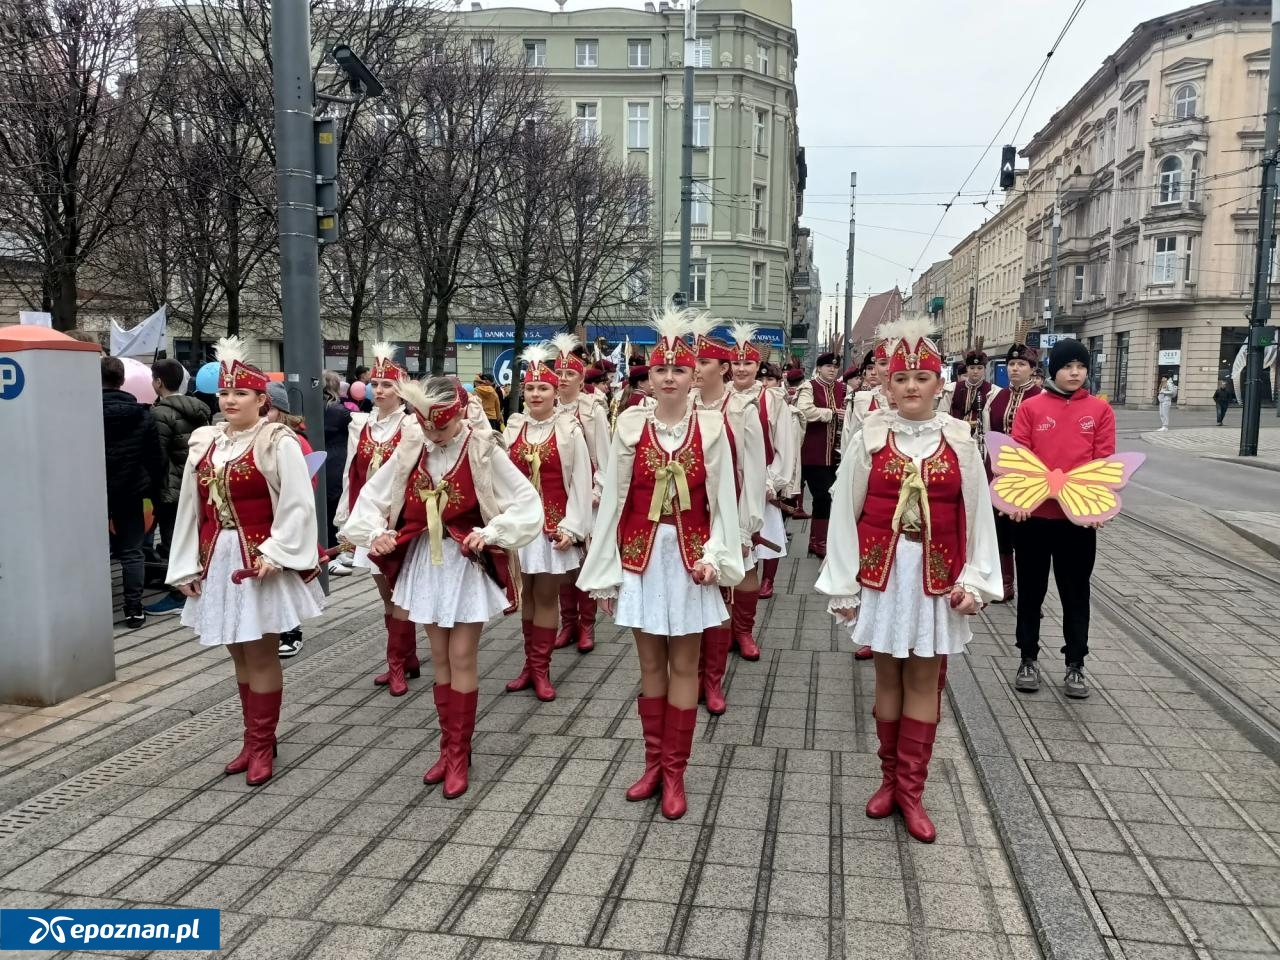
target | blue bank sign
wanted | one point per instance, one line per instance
(501, 332)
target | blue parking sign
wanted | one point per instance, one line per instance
(12, 379)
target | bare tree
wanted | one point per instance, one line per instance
(73, 100)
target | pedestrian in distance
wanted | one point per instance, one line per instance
(1165, 396)
(337, 423)
(665, 541)
(1221, 400)
(135, 470)
(247, 505)
(913, 553)
(490, 401)
(1065, 426)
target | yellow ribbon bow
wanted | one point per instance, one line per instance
(375, 460)
(435, 524)
(533, 457)
(913, 487)
(662, 479)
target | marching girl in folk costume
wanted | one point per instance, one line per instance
(433, 518)
(875, 377)
(913, 552)
(577, 610)
(999, 415)
(546, 445)
(746, 440)
(667, 538)
(371, 441)
(247, 503)
(773, 384)
(794, 377)
(779, 444)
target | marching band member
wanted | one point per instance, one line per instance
(577, 610)
(458, 508)
(914, 551)
(779, 442)
(547, 446)
(371, 440)
(972, 396)
(246, 503)
(667, 537)
(794, 378)
(746, 436)
(771, 379)
(875, 376)
(821, 400)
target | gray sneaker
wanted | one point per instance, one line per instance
(1028, 678)
(1073, 684)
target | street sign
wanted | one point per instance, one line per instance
(502, 366)
(1047, 340)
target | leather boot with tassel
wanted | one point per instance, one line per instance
(401, 635)
(915, 750)
(442, 693)
(818, 539)
(586, 621)
(264, 716)
(715, 646)
(677, 744)
(241, 763)
(766, 580)
(541, 642)
(743, 619)
(525, 678)
(569, 600)
(1007, 575)
(882, 803)
(653, 712)
(462, 724)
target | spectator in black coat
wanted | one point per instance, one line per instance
(135, 471)
(1222, 400)
(337, 420)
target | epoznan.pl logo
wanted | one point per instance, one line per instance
(110, 929)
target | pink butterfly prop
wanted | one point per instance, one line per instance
(1088, 494)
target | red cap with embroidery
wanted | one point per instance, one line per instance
(913, 350)
(235, 374)
(384, 367)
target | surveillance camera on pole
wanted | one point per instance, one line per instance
(363, 82)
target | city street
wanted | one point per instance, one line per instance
(1141, 823)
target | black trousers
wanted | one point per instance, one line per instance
(819, 480)
(1222, 410)
(1004, 534)
(130, 527)
(1040, 544)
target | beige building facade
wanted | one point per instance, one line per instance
(1155, 167)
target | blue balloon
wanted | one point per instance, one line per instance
(207, 378)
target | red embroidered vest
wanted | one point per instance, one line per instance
(366, 447)
(1004, 406)
(247, 498)
(550, 479)
(821, 439)
(636, 532)
(461, 511)
(944, 548)
(967, 403)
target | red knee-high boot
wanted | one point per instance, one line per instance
(541, 642)
(818, 538)
(586, 622)
(402, 636)
(442, 693)
(881, 803)
(942, 680)
(677, 744)
(766, 580)
(264, 715)
(525, 677)
(241, 763)
(462, 724)
(653, 711)
(715, 656)
(569, 600)
(744, 621)
(915, 750)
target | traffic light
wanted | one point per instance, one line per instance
(1008, 158)
(326, 152)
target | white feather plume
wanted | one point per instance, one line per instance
(912, 329)
(742, 332)
(534, 354)
(231, 349)
(700, 323)
(426, 395)
(564, 343)
(889, 330)
(672, 323)
(384, 352)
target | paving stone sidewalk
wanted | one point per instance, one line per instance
(346, 854)
(1220, 442)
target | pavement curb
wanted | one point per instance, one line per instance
(1063, 924)
(1248, 462)
(1259, 540)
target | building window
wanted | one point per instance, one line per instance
(1164, 264)
(638, 54)
(1077, 284)
(762, 58)
(637, 126)
(1193, 182)
(700, 211)
(759, 207)
(698, 281)
(481, 51)
(1187, 274)
(587, 121)
(702, 124)
(638, 281)
(587, 53)
(535, 53)
(702, 52)
(1185, 101)
(1170, 180)
(759, 285)
(638, 208)
(762, 132)
(1132, 125)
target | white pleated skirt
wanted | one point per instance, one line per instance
(541, 557)
(455, 592)
(902, 619)
(227, 612)
(775, 531)
(664, 600)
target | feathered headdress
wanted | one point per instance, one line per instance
(235, 374)
(535, 357)
(744, 347)
(672, 349)
(563, 344)
(885, 334)
(384, 365)
(700, 325)
(913, 349)
(438, 405)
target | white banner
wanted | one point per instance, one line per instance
(145, 339)
(35, 318)
(618, 359)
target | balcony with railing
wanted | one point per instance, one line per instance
(1180, 131)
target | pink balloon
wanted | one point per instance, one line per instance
(358, 391)
(137, 380)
